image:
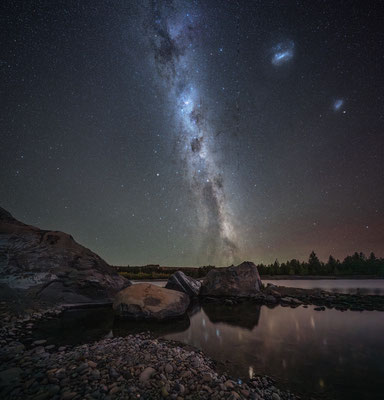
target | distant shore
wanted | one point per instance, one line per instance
(148, 277)
(318, 277)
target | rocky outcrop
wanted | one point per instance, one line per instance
(146, 301)
(183, 283)
(240, 281)
(51, 266)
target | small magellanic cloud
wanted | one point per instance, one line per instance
(338, 104)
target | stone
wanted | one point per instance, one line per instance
(146, 374)
(39, 342)
(164, 392)
(146, 301)
(17, 348)
(53, 389)
(168, 369)
(113, 373)
(207, 377)
(186, 374)
(95, 374)
(10, 378)
(229, 384)
(183, 283)
(240, 281)
(271, 299)
(68, 395)
(114, 390)
(42, 396)
(51, 266)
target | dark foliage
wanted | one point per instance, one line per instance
(357, 264)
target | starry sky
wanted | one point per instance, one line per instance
(195, 132)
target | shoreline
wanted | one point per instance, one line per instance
(150, 368)
(286, 277)
(320, 277)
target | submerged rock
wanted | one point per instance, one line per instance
(51, 266)
(146, 301)
(240, 281)
(183, 283)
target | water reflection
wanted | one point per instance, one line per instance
(245, 315)
(335, 355)
(76, 326)
(124, 327)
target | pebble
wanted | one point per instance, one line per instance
(68, 395)
(147, 374)
(39, 342)
(168, 369)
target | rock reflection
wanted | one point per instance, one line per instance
(245, 315)
(194, 308)
(76, 326)
(306, 350)
(126, 327)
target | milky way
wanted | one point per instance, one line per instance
(174, 36)
(188, 132)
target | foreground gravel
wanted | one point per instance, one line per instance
(133, 367)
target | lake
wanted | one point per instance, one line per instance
(327, 354)
(349, 286)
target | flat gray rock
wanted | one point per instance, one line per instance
(183, 283)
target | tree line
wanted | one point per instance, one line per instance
(357, 264)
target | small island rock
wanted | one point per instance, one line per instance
(240, 281)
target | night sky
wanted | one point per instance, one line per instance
(196, 132)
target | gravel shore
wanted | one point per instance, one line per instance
(131, 367)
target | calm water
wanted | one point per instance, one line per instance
(329, 354)
(351, 286)
(337, 355)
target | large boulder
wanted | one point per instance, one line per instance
(240, 281)
(50, 266)
(183, 283)
(146, 301)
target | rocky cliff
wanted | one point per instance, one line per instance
(51, 266)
